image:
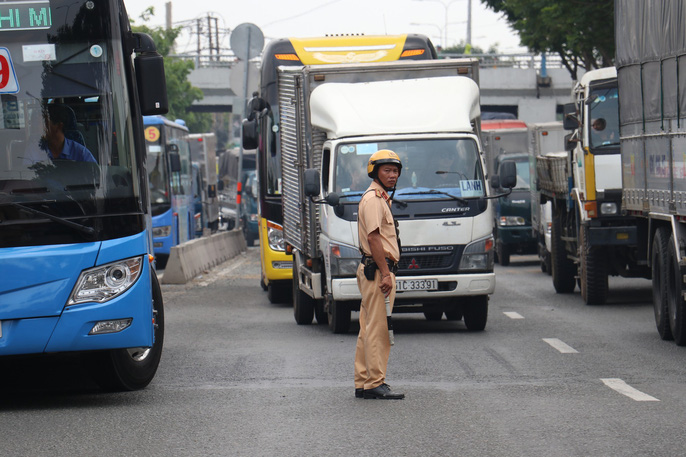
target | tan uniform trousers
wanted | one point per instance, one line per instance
(373, 347)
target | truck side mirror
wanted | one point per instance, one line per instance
(495, 181)
(220, 185)
(175, 162)
(570, 121)
(150, 80)
(311, 184)
(570, 142)
(249, 134)
(508, 174)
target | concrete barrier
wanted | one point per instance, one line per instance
(191, 258)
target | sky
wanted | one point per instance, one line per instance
(307, 18)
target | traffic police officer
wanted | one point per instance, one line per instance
(379, 245)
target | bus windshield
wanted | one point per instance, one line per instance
(431, 168)
(67, 141)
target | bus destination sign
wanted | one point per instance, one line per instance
(28, 15)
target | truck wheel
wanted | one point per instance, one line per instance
(593, 269)
(660, 283)
(562, 268)
(278, 291)
(503, 254)
(339, 316)
(476, 313)
(133, 368)
(303, 304)
(675, 300)
(454, 314)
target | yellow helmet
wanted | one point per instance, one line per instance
(381, 157)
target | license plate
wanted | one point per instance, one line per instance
(406, 285)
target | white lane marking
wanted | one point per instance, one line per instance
(560, 346)
(623, 388)
(513, 315)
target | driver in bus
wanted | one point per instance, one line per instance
(54, 143)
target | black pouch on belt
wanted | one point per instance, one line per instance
(369, 267)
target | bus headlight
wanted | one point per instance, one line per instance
(160, 232)
(105, 282)
(478, 255)
(344, 259)
(275, 237)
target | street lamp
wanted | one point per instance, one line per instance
(446, 5)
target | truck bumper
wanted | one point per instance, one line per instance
(459, 285)
(615, 236)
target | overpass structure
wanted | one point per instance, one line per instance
(527, 86)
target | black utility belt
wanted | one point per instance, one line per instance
(370, 266)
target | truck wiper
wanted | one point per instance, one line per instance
(439, 192)
(81, 228)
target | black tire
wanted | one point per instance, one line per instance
(503, 254)
(278, 291)
(131, 369)
(263, 286)
(660, 270)
(675, 301)
(476, 313)
(303, 304)
(339, 316)
(433, 315)
(454, 314)
(563, 269)
(593, 271)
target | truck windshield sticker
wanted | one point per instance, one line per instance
(471, 188)
(28, 15)
(8, 78)
(367, 148)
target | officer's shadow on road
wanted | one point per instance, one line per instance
(408, 324)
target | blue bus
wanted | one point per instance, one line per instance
(170, 174)
(76, 265)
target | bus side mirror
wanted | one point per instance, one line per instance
(175, 162)
(249, 134)
(150, 80)
(570, 121)
(312, 188)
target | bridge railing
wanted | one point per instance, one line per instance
(486, 60)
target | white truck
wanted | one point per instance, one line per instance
(591, 239)
(546, 139)
(333, 117)
(650, 55)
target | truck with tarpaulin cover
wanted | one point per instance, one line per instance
(333, 118)
(651, 64)
(76, 254)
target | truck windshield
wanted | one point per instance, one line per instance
(603, 112)
(65, 130)
(450, 165)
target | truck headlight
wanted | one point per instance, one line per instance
(344, 259)
(608, 208)
(509, 221)
(275, 237)
(105, 282)
(478, 255)
(160, 232)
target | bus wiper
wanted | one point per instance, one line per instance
(439, 192)
(81, 228)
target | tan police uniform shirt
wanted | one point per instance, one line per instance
(374, 212)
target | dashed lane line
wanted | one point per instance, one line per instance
(623, 388)
(513, 315)
(560, 346)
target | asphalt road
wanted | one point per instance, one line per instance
(549, 376)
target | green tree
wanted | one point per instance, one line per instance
(581, 32)
(180, 92)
